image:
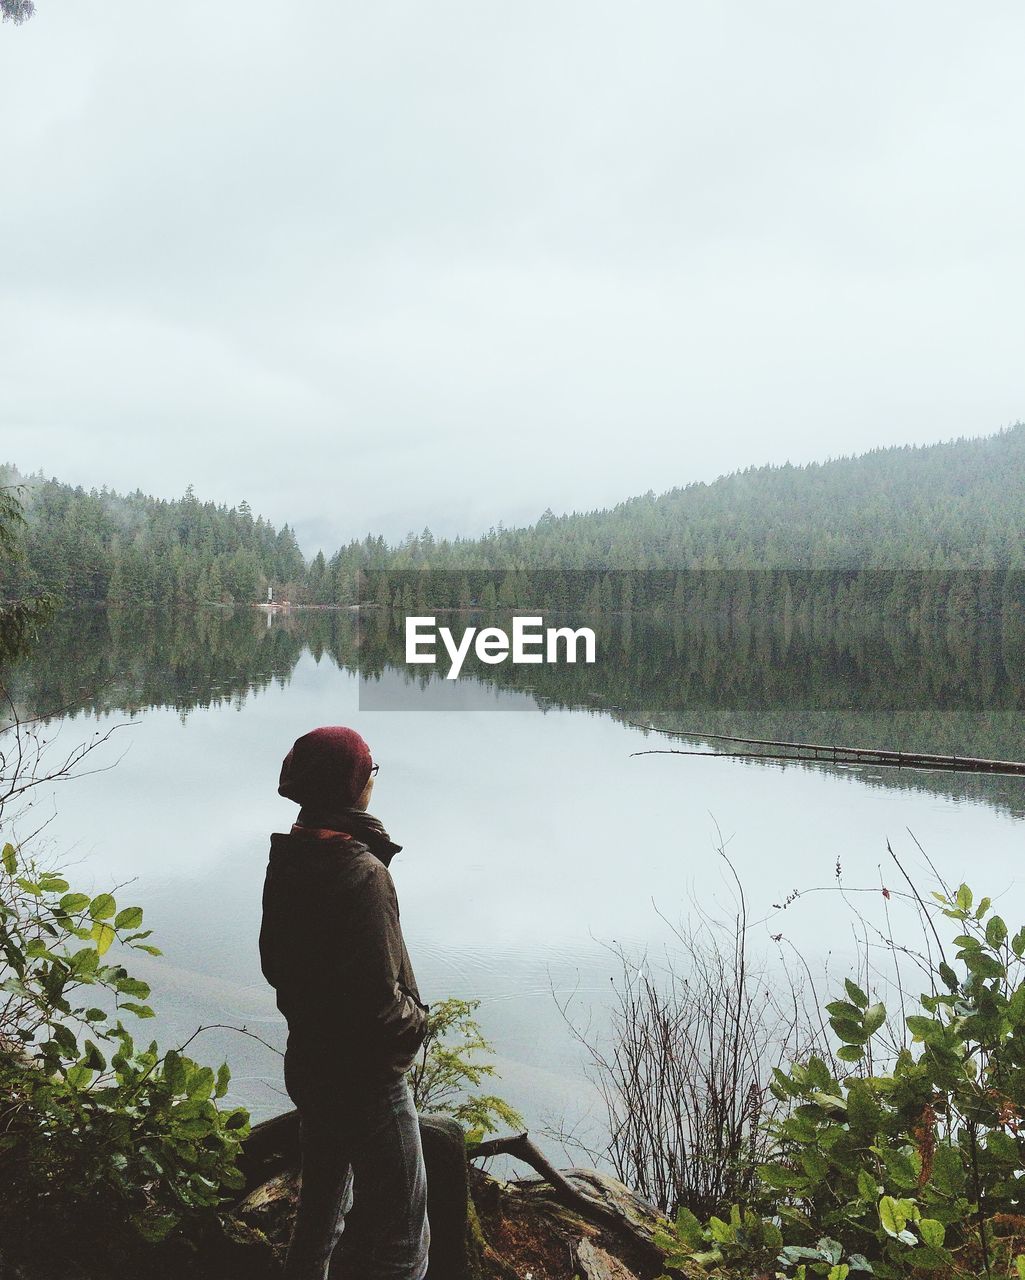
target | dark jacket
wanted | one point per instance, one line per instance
(332, 948)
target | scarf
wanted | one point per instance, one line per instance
(359, 824)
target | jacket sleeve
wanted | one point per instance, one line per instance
(394, 1019)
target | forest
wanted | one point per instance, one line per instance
(951, 506)
(100, 547)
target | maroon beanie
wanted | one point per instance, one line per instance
(326, 769)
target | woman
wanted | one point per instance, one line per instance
(332, 947)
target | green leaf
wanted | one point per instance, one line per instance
(815, 1165)
(839, 1271)
(799, 1128)
(133, 987)
(29, 886)
(963, 898)
(1019, 1266)
(65, 1037)
(1003, 1147)
(868, 1188)
(856, 994)
(793, 1252)
(933, 1232)
(201, 1083)
(783, 1086)
(843, 1009)
(983, 966)
(849, 1032)
(996, 932)
(850, 1053)
(891, 1219)
(780, 1178)
(1018, 943)
(983, 907)
(129, 918)
(74, 902)
(174, 1071)
(79, 1077)
(722, 1232)
(875, 1016)
(93, 1059)
(922, 1027)
(10, 858)
(103, 935)
(84, 961)
(140, 1010)
(50, 883)
(689, 1228)
(102, 907)
(223, 1080)
(772, 1237)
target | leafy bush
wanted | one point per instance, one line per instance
(746, 1239)
(92, 1126)
(916, 1169)
(918, 1165)
(446, 1068)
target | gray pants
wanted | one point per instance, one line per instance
(361, 1153)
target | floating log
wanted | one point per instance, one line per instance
(820, 753)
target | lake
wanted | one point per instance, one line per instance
(533, 842)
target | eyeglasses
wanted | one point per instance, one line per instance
(373, 770)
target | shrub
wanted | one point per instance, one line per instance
(908, 1170)
(682, 1071)
(447, 1067)
(93, 1127)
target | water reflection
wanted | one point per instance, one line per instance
(531, 840)
(939, 689)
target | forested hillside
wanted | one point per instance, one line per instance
(952, 506)
(124, 549)
(949, 506)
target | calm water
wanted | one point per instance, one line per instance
(532, 841)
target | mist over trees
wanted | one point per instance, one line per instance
(948, 506)
(100, 547)
(16, 11)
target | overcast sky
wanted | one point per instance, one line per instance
(381, 265)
